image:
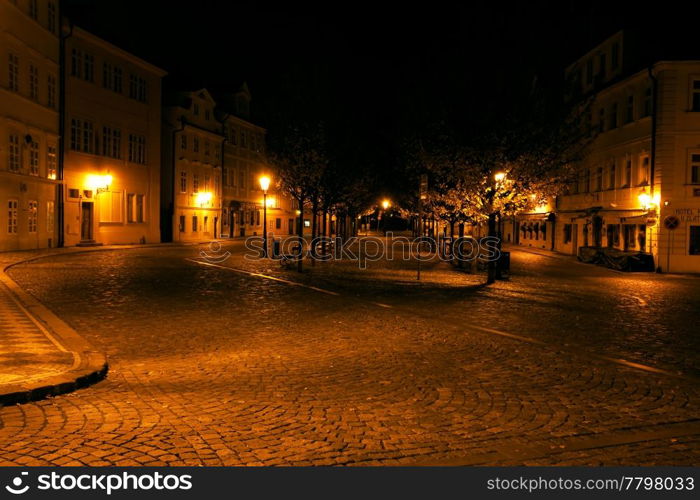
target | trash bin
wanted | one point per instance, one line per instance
(504, 262)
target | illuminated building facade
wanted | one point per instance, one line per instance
(642, 167)
(29, 124)
(192, 160)
(112, 144)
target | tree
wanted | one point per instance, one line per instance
(300, 159)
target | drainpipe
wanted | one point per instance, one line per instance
(221, 184)
(652, 159)
(168, 221)
(60, 205)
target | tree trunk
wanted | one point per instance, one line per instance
(300, 234)
(491, 278)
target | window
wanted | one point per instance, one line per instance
(51, 19)
(206, 148)
(183, 142)
(278, 223)
(34, 158)
(206, 114)
(51, 162)
(32, 210)
(241, 179)
(13, 160)
(137, 149)
(602, 66)
(112, 77)
(82, 136)
(225, 175)
(111, 210)
(51, 91)
(615, 56)
(601, 120)
(76, 63)
(181, 225)
(195, 183)
(33, 82)
(257, 217)
(628, 173)
(613, 116)
(12, 216)
(587, 181)
(50, 216)
(695, 169)
(694, 240)
(206, 224)
(196, 109)
(599, 179)
(696, 96)
(612, 172)
(183, 182)
(111, 142)
(629, 113)
(88, 67)
(644, 171)
(14, 72)
(206, 183)
(137, 88)
(130, 199)
(139, 207)
(195, 144)
(243, 138)
(194, 224)
(216, 184)
(646, 108)
(33, 9)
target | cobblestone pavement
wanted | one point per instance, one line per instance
(26, 350)
(215, 367)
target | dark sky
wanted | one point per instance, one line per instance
(373, 73)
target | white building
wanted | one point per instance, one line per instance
(29, 124)
(643, 166)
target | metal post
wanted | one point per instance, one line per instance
(265, 224)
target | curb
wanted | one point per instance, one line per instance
(89, 366)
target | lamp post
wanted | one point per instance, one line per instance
(264, 185)
(385, 204)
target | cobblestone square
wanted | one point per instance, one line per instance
(564, 364)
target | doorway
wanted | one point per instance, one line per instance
(574, 239)
(86, 210)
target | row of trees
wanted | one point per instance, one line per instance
(321, 183)
(473, 179)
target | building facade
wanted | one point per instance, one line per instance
(643, 167)
(111, 166)
(244, 164)
(192, 159)
(29, 124)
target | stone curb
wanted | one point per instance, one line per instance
(90, 366)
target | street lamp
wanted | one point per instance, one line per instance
(385, 204)
(264, 185)
(499, 176)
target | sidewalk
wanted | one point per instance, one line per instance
(40, 355)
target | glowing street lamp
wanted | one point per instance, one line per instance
(499, 176)
(203, 198)
(264, 185)
(99, 183)
(385, 204)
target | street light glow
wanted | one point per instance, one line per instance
(499, 176)
(203, 198)
(264, 182)
(386, 204)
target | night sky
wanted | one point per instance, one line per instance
(375, 75)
